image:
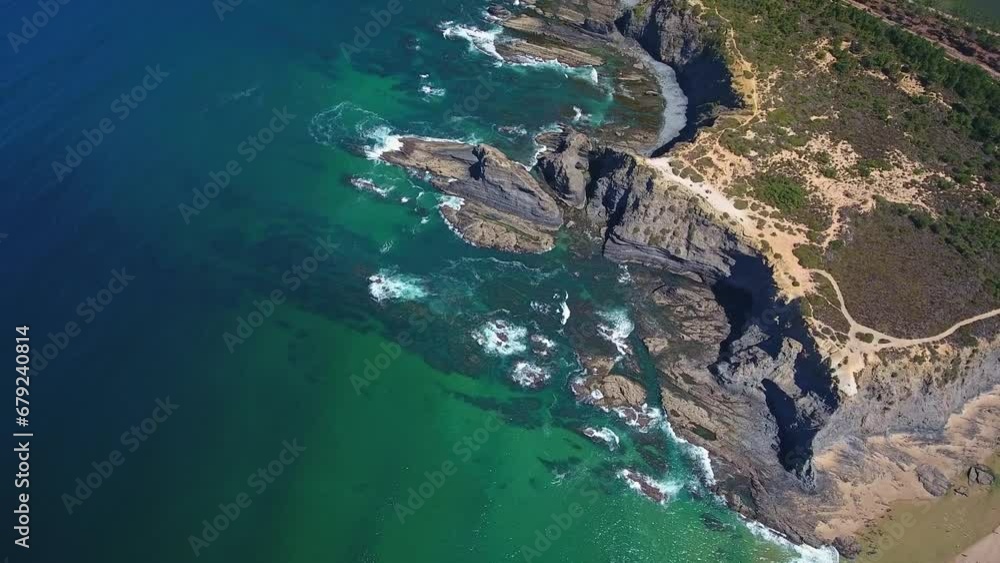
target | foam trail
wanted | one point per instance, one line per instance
(618, 329)
(565, 309)
(806, 553)
(699, 454)
(480, 40)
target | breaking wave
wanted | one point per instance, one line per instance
(616, 329)
(348, 123)
(501, 338)
(806, 553)
(387, 285)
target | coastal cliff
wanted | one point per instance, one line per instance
(740, 371)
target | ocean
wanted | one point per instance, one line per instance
(253, 341)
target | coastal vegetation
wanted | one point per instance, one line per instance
(916, 245)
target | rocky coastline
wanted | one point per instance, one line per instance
(738, 372)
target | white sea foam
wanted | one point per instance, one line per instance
(370, 186)
(480, 40)
(805, 553)
(384, 141)
(451, 202)
(605, 435)
(429, 90)
(544, 343)
(387, 285)
(698, 454)
(485, 41)
(565, 309)
(585, 73)
(347, 122)
(642, 419)
(617, 329)
(542, 308)
(527, 374)
(666, 488)
(386, 247)
(501, 338)
(624, 276)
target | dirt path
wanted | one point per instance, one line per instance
(892, 341)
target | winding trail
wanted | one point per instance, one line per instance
(893, 341)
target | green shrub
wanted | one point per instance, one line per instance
(780, 192)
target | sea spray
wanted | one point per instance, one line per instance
(501, 338)
(698, 454)
(388, 285)
(480, 40)
(529, 375)
(368, 185)
(805, 553)
(616, 329)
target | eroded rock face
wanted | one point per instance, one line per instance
(656, 224)
(668, 31)
(566, 168)
(742, 402)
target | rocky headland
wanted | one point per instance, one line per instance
(739, 371)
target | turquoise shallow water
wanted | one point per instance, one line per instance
(377, 358)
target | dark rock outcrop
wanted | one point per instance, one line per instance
(481, 174)
(981, 475)
(666, 30)
(566, 168)
(671, 33)
(499, 12)
(656, 224)
(934, 482)
(505, 206)
(742, 403)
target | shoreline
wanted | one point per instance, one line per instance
(983, 551)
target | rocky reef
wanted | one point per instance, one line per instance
(502, 205)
